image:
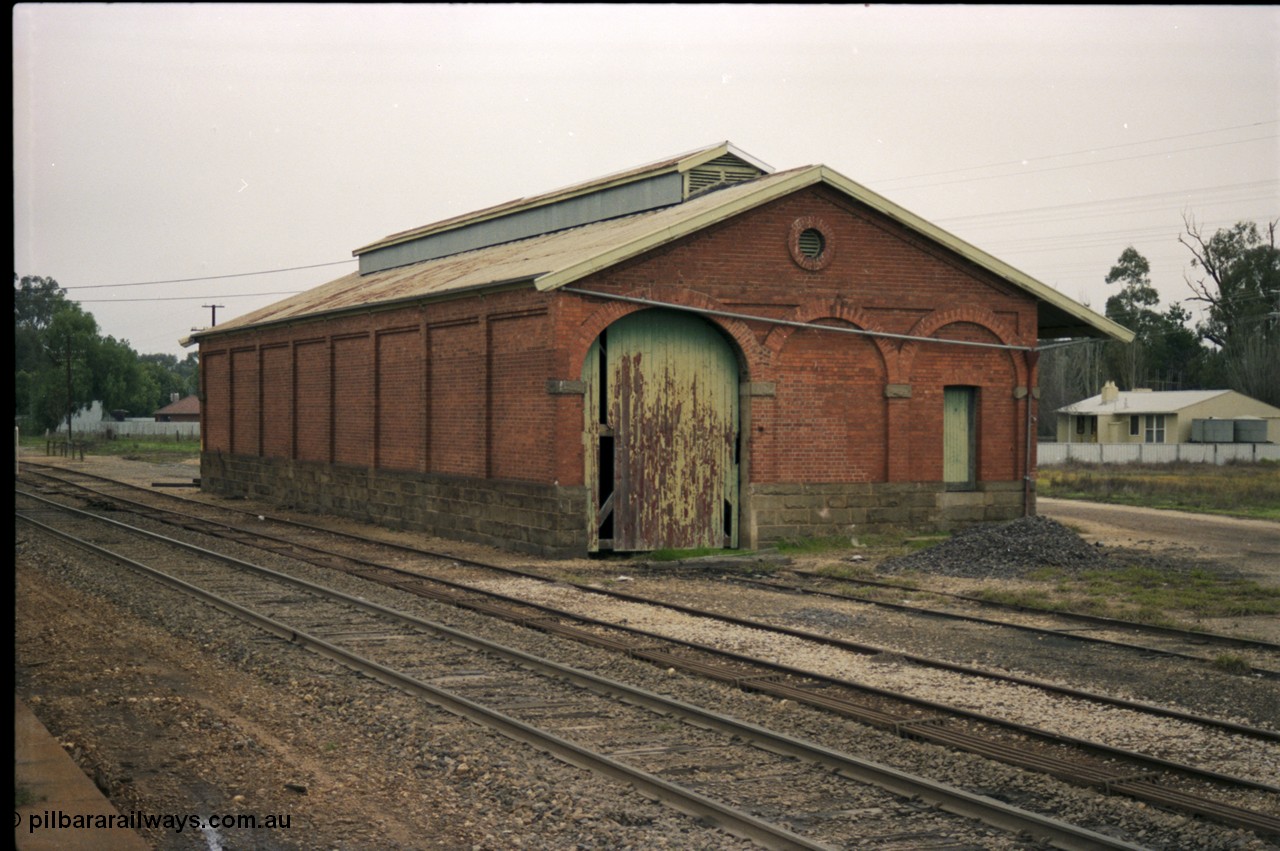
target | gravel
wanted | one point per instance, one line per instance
(218, 714)
(1004, 550)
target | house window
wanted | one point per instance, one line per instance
(1155, 428)
(1135, 425)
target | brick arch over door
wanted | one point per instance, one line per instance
(992, 376)
(830, 406)
(755, 359)
(998, 331)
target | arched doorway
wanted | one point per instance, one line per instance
(661, 434)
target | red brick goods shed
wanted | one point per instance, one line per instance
(700, 352)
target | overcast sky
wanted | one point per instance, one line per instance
(164, 143)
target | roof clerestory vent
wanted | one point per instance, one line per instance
(718, 172)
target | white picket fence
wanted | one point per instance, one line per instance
(1049, 454)
(93, 422)
(109, 429)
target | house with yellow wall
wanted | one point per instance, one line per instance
(1172, 416)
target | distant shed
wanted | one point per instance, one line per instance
(183, 410)
(699, 352)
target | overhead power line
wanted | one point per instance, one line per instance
(201, 297)
(1026, 160)
(1114, 206)
(1128, 203)
(209, 278)
(1078, 165)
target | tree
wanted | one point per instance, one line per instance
(35, 301)
(1069, 370)
(1240, 285)
(1132, 308)
(62, 364)
(66, 384)
(1164, 352)
(119, 379)
(170, 376)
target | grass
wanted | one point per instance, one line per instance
(1145, 595)
(139, 448)
(1131, 592)
(1238, 490)
(813, 546)
(698, 552)
(875, 547)
(1232, 664)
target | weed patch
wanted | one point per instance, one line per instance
(1144, 594)
(1243, 490)
(813, 546)
(681, 555)
(157, 449)
(1232, 664)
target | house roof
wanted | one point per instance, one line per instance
(1142, 402)
(551, 260)
(185, 405)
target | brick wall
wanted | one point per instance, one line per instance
(527, 517)
(461, 390)
(795, 511)
(456, 388)
(843, 408)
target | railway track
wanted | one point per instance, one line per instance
(784, 792)
(1132, 776)
(1151, 639)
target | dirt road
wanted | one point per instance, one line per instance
(1251, 547)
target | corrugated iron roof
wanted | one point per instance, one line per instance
(1142, 402)
(679, 163)
(556, 259)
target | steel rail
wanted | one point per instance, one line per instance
(909, 727)
(329, 560)
(1038, 630)
(1116, 624)
(944, 796)
(844, 644)
(1098, 620)
(688, 801)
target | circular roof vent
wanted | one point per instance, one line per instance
(810, 246)
(811, 243)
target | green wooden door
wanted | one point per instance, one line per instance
(959, 468)
(662, 433)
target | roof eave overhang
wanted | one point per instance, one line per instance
(1072, 318)
(372, 307)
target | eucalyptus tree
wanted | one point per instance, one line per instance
(1238, 278)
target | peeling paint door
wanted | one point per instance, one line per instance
(662, 434)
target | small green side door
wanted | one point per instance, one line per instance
(959, 432)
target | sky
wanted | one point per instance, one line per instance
(173, 158)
